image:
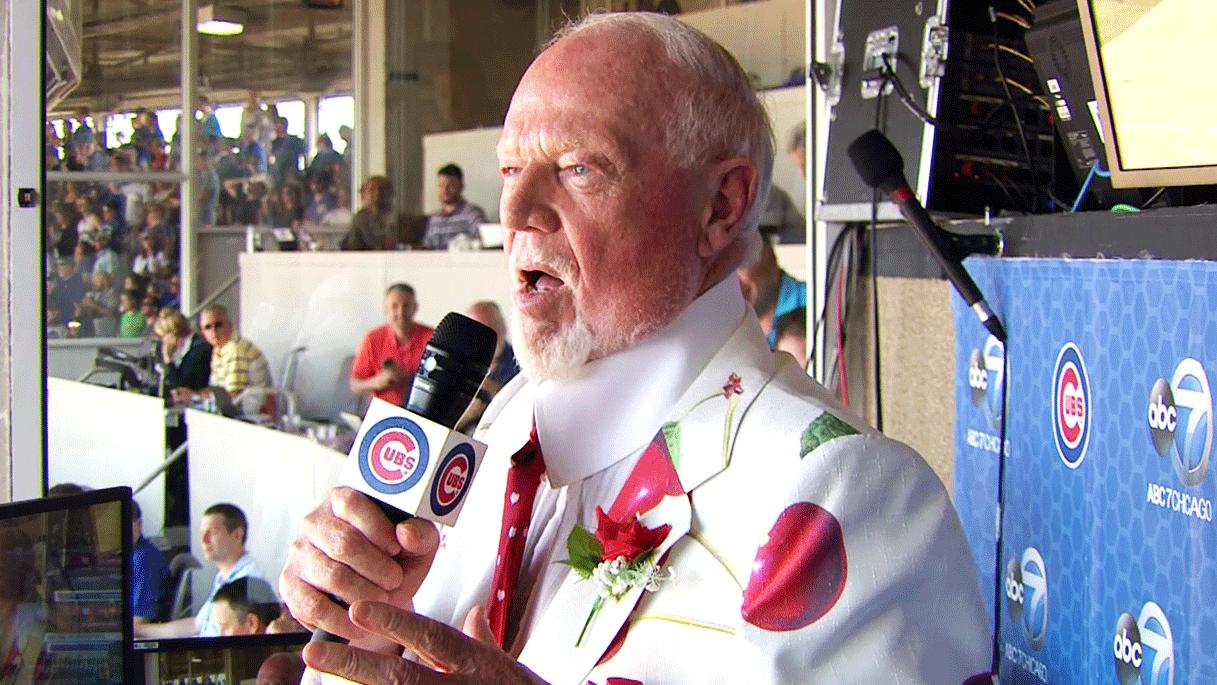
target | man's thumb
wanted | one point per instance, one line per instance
(477, 626)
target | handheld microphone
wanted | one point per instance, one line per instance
(410, 461)
(880, 165)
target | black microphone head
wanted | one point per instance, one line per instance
(452, 369)
(877, 161)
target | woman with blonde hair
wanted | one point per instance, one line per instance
(186, 355)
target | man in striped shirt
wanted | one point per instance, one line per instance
(236, 364)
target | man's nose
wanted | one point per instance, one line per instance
(527, 201)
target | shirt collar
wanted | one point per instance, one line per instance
(636, 387)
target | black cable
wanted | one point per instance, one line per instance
(889, 73)
(1153, 198)
(830, 274)
(998, 580)
(1006, 191)
(874, 269)
(1018, 120)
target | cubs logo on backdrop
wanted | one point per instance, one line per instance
(986, 376)
(1180, 417)
(1072, 412)
(393, 455)
(1143, 649)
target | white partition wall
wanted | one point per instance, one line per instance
(274, 477)
(103, 438)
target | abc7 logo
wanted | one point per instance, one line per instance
(1027, 595)
(1180, 417)
(1143, 649)
(986, 372)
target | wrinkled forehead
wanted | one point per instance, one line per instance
(609, 88)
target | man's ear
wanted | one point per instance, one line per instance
(253, 624)
(736, 191)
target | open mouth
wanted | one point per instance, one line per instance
(539, 281)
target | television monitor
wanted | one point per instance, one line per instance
(1155, 108)
(65, 614)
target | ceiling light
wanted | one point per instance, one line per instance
(216, 20)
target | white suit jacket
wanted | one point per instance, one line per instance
(805, 546)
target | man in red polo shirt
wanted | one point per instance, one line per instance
(388, 356)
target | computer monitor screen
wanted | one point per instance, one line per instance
(64, 606)
(1156, 109)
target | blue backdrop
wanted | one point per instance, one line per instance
(1109, 557)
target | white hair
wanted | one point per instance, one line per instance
(715, 114)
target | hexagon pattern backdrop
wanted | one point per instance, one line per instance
(1109, 557)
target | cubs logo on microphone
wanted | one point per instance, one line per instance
(1180, 417)
(1071, 406)
(1027, 596)
(452, 479)
(1143, 649)
(393, 455)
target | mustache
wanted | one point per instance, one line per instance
(533, 259)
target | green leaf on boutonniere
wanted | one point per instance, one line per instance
(671, 436)
(583, 551)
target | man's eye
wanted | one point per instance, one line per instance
(578, 170)
(509, 171)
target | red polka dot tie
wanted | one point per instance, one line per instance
(523, 478)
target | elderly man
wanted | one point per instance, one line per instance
(696, 510)
(236, 364)
(388, 356)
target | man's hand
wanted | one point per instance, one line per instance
(182, 395)
(446, 654)
(348, 548)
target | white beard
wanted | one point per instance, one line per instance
(556, 355)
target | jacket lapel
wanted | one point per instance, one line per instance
(694, 444)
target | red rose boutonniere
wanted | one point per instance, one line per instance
(618, 557)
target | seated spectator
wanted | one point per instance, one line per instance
(185, 354)
(284, 209)
(236, 364)
(156, 223)
(376, 226)
(151, 309)
(245, 606)
(150, 581)
(319, 200)
(66, 290)
(223, 533)
(245, 200)
(281, 669)
(61, 230)
(113, 228)
(150, 261)
(172, 296)
(89, 224)
(456, 217)
(100, 307)
(106, 259)
(502, 368)
(792, 334)
(131, 323)
(388, 356)
(325, 158)
(340, 213)
(83, 258)
(771, 291)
